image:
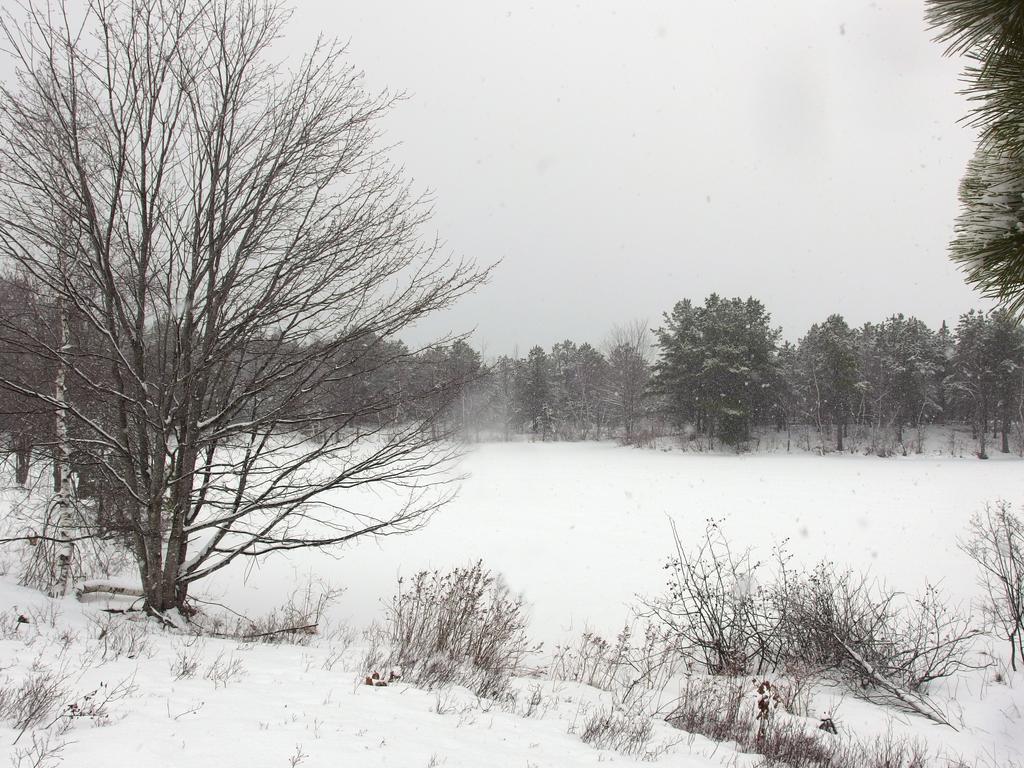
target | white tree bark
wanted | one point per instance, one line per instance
(63, 503)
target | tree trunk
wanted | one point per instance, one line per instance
(1005, 447)
(22, 458)
(62, 491)
(983, 432)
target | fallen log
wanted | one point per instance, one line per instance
(910, 700)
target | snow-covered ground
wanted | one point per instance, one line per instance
(174, 701)
(579, 529)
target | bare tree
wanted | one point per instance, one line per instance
(628, 349)
(26, 424)
(996, 544)
(231, 234)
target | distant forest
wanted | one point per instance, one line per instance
(718, 374)
(709, 376)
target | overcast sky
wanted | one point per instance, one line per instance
(620, 156)
(617, 157)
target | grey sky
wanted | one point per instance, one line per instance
(621, 156)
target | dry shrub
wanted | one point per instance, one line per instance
(94, 706)
(114, 636)
(97, 553)
(592, 660)
(15, 625)
(42, 750)
(36, 700)
(713, 707)
(619, 729)
(723, 620)
(637, 670)
(224, 669)
(732, 615)
(908, 640)
(461, 627)
(187, 659)
(725, 710)
(297, 621)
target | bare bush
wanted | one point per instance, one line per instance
(44, 750)
(727, 710)
(730, 615)
(338, 644)
(712, 707)
(224, 669)
(995, 542)
(94, 706)
(618, 729)
(15, 625)
(186, 660)
(36, 700)
(593, 660)
(32, 523)
(825, 613)
(795, 687)
(115, 636)
(297, 620)
(637, 672)
(461, 627)
(723, 619)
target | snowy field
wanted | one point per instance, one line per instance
(580, 529)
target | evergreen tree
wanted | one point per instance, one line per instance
(501, 398)
(945, 349)
(974, 375)
(464, 365)
(787, 404)
(566, 397)
(1006, 356)
(591, 375)
(533, 388)
(913, 359)
(989, 240)
(717, 365)
(828, 354)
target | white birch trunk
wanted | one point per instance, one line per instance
(63, 504)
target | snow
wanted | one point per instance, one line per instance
(580, 530)
(280, 703)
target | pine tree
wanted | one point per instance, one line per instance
(828, 354)
(533, 390)
(973, 378)
(591, 377)
(989, 239)
(717, 366)
(787, 401)
(1005, 350)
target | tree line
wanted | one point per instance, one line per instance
(720, 373)
(716, 373)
